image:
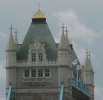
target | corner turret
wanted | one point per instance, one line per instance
(88, 75)
(11, 51)
(63, 49)
(63, 41)
(11, 44)
(11, 61)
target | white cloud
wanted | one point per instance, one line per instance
(76, 28)
(2, 98)
(2, 82)
(98, 93)
(1, 33)
(2, 72)
(80, 53)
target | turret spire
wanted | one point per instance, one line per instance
(63, 49)
(63, 27)
(11, 29)
(88, 64)
(16, 38)
(86, 60)
(11, 45)
(62, 39)
(67, 39)
(88, 75)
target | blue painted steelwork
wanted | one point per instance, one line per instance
(80, 86)
(9, 92)
(61, 91)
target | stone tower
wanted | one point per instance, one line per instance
(88, 75)
(37, 67)
(11, 61)
(63, 49)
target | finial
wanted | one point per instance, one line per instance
(66, 30)
(16, 39)
(11, 28)
(39, 5)
(87, 52)
(67, 33)
(15, 31)
(63, 27)
(38, 14)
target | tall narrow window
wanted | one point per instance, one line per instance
(26, 73)
(33, 73)
(40, 55)
(40, 72)
(47, 72)
(33, 57)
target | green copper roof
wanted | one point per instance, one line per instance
(38, 31)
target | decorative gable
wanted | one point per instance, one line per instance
(36, 52)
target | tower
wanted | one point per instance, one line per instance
(64, 64)
(39, 68)
(88, 75)
(11, 60)
(63, 48)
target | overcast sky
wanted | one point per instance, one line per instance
(84, 19)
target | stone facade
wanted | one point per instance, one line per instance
(37, 77)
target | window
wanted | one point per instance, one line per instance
(40, 55)
(26, 73)
(47, 72)
(40, 73)
(33, 57)
(33, 73)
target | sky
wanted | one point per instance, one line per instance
(83, 18)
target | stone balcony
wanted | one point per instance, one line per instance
(37, 63)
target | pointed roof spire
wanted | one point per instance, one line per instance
(86, 60)
(63, 27)
(62, 39)
(11, 29)
(88, 64)
(67, 39)
(16, 38)
(39, 14)
(62, 43)
(11, 45)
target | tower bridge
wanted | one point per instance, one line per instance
(41, 69)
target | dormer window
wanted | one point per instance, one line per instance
(36, 53)
(40, 56)
(33, 57)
